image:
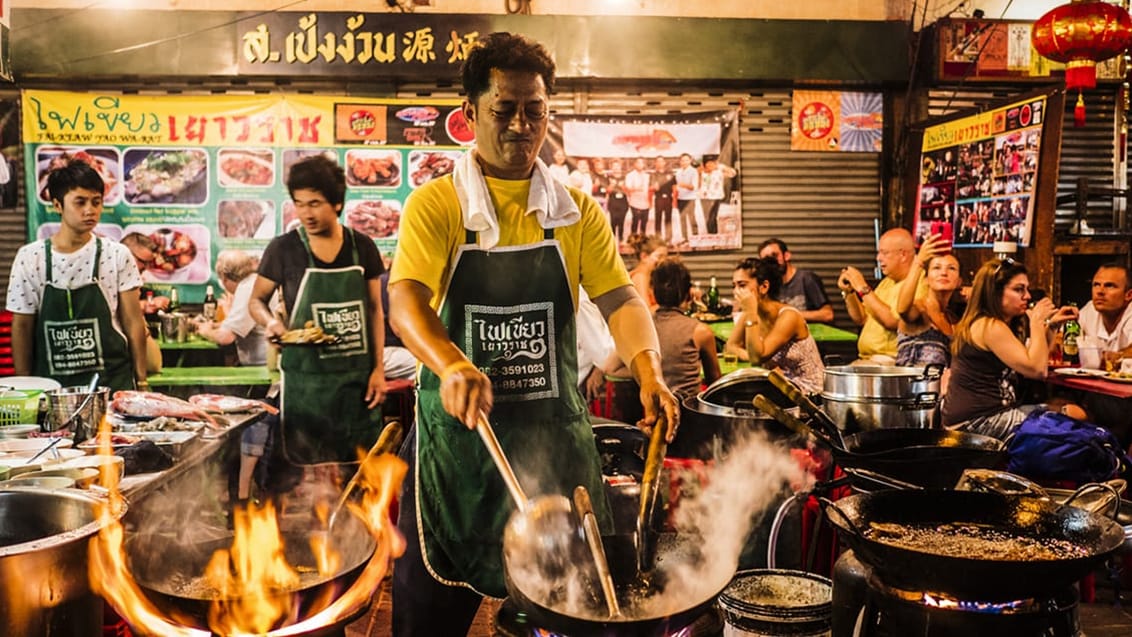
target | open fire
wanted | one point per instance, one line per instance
(249, 575)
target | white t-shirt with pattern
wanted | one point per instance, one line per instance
(117, 272)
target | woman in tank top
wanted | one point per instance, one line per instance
(770, 333)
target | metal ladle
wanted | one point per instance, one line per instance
(388, 440)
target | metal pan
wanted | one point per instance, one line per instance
(643, 614)
(171, 573)
(1093, 537)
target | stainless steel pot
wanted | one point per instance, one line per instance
(44, 587)
(176, 327)
(710, 421)
(878, 397)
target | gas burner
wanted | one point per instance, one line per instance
(510, 621)
(879, 609)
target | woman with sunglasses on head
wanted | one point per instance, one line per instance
(999, 337)
(771, 333)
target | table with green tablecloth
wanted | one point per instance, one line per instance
(247, 381)
(832, 341)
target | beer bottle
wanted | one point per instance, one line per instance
(713, 297)
(174, 300)
(1071, 331)
(209, 307)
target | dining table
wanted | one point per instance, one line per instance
(1091, 380)
(832, 341)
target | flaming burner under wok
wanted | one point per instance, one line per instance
(888, 611)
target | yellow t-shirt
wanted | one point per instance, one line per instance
(876, 338)
(432, 230)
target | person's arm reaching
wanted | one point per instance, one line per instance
(260, 309)
(375, 388)
(133, 323)
(464, 389)
(635, 337)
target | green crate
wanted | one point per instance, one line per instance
(19, 406)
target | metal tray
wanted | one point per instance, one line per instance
(173, 442)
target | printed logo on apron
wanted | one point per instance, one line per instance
(512, 345)
(74, 346)
(346, 321)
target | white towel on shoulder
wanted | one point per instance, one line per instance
(548, 199)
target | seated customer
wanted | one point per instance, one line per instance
(1107, 318)
(687, 346)
(234, 270)
(649, 249)
(924, 334)
(773, 334)
(997, 339)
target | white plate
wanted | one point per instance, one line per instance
(30, 382)
(1078, 371)
(33, 444)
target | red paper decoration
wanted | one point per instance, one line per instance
(1080, 34)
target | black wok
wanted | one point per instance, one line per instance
(971, 575)
(644, 615)
(169, 572)
(931, 458)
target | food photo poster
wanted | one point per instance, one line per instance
(199, 175)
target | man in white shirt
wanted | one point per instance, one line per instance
(595, 347)
(1107, 318)
(637, 188)
(74, 297)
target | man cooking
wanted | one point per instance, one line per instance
(74, 296)
(483, 292)
(330, 277)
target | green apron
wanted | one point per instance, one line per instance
(324, 414)
(511, 311)
(75, 334)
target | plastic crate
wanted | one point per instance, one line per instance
(19, 406)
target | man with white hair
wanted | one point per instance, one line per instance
(234, 270)
(872, 309)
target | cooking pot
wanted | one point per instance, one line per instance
(877, 397)
(44, 588)
(711, 420)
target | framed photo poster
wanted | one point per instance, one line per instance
(982, 176)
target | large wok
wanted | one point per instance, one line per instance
(969, 575)
(648, 611)
(932, 458)
(170, 572)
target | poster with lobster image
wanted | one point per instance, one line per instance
(197, 175)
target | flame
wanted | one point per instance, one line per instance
(246, 574)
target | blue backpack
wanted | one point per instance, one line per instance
(1052, 446)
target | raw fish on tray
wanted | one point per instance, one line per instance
(149, 404)
(221, 404)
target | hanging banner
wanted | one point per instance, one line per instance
(674, 176)
(837, 120)
(203, 174)
(978, 176)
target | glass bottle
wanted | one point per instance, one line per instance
(713, 297)
(209, 307)
(174, 300)
(1071, 332)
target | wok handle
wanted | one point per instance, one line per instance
(1111, 498)
(791, 422)
(487, 434)
(654, 461)
(829, 506)
(585, 511)
(880, 478)
(798, 397)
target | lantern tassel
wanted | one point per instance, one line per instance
(1079, 111)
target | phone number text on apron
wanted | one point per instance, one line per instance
(515, 346)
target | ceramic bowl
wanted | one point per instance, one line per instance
(83, 477)
(42, 482)
(15, 432)
(33, 444)
(104, 465)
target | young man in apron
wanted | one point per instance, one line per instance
(74, 296)
(483, 291)
(329, 275)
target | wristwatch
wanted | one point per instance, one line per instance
(865, 292)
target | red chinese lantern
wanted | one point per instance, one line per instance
(1080, 34)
